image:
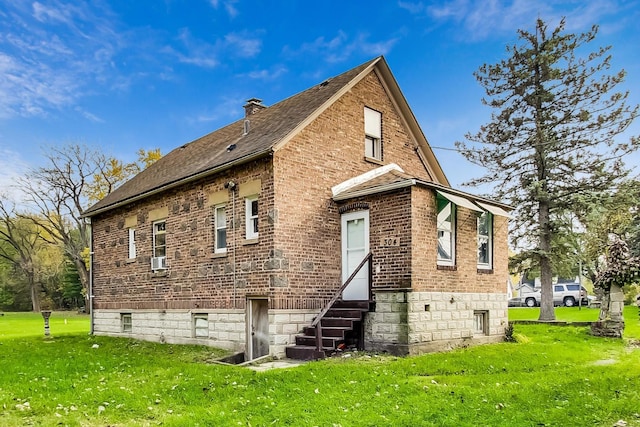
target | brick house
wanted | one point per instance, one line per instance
(242, 239)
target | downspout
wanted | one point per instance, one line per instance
(235, 243)
(91, 328)
(232, 186)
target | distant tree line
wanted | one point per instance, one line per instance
(44, 241)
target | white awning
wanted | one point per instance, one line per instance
(460, 201)
(494, 209)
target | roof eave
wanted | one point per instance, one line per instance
(186, 180)
(374, 190)
(463, 194)
(347, 87)
(423, 148)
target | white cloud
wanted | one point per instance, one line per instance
(44, 13)
(341, 47)
(89, 116)
(480, 20)
(226, 108)
(228, 5)
(272, 74)
(413, 8)
(198, 52)
(243, 44)
(12, 167)
(52, 54)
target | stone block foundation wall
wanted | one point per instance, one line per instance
(227, 327)
(406, 322)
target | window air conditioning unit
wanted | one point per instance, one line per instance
(158, 263)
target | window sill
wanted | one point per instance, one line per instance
(485, 270)
(250, 241)
(447, 267)
(373, 160)
(219, 255)
(159, 273)
(130, 261)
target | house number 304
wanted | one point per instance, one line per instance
(389, 241)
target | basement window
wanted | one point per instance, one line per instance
(480, 323)
(201, 325)
(125, 322)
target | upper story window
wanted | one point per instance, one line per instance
(220, 220)
(485, 226)
(159, 259)
(372, 134)
(132, 243)
(251, 215)
(446, 231)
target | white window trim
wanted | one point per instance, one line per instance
(250, 233)
(132, 243)
(488, 265)
(481, 322)
(202, 316)
(217, 227)
(452, 261)
(373, 134)
(153, 248)
(126, 326)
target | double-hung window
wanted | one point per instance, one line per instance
(132, 243)
(372, 134)
(159, 259)
(251, 215)
(446, 231)
(485, 226)
(220, 225)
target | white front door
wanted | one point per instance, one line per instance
(355, 246)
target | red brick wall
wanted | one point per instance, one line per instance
(465, 276)
(297, 262)
(327, 152)
(196, 278)
(390, 220)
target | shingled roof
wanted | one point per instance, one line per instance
(267, 128)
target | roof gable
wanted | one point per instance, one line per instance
(269, 129)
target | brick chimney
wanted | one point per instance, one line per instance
(252, 106)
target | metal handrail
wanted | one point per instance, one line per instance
(327, 307)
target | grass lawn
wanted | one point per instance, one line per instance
(558, 376)
(17, 325)
(584, 314)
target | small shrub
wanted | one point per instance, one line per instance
(508, 333)
(521, 339)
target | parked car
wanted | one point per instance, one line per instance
(567, 294)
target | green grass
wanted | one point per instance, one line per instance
(31, 325)
(584, 314)
(561, 376)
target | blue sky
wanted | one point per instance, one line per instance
(144, 74)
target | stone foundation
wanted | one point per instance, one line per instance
(408, 322)
(226, 328)
(607, 328)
